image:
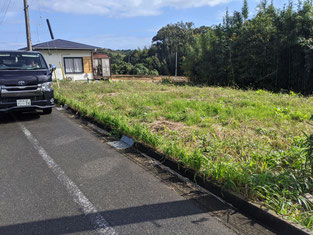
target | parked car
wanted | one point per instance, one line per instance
(25, 82)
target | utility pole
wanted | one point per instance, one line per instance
(176, 65)
(28, 37)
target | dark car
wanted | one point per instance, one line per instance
(25, 82)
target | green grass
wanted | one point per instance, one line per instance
(250, 142)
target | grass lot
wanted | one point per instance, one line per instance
(251, 142)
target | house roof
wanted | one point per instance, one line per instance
(60, 44)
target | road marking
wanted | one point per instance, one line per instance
(90, 211)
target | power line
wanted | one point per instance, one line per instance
(3, 7)
(40, 24)
(5, 11)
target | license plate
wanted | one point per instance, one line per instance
(26, 102)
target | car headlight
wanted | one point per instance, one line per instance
(47, 86)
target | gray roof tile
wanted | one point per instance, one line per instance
(59, 44)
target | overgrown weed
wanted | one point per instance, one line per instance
(250, 142)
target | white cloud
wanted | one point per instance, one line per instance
(105, 41)
(122, 8)
(115, 41)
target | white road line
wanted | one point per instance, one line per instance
(90, 211)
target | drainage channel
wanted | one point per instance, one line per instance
(208, 202)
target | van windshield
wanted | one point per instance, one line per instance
(21, 61)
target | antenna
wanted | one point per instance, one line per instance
(50, 30)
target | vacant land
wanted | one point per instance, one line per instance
(149, 78)
(251, 142)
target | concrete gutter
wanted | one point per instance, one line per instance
(267, 217)
(264, 215)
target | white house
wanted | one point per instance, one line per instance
(73, 60)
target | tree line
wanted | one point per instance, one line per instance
(160, 57)
(272, 50)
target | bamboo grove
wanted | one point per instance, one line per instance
(272, 50)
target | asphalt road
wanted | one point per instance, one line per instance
(58, 178)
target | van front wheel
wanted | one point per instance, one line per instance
(47, 111)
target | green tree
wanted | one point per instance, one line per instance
(272, 50)
(169, 40)
(245, 10)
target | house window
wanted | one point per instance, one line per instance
(73, 65)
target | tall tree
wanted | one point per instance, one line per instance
(171, 39)
(245, 10)
(272, 50)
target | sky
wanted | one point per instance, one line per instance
(114, 24)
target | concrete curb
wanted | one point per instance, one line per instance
(265, 216)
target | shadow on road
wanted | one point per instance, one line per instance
(132, 215)
(18, 116)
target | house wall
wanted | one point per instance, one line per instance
(56, 57)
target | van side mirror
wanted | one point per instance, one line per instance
(52, 67)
